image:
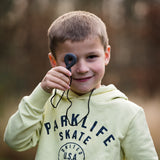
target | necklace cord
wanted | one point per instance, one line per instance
(71, 105)
(55, 106)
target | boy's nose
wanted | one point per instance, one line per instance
(82, 67)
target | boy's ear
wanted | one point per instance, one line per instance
(107, 54)
(52, 59)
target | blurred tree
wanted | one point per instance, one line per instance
(134, 35)
(5, 7)
(24, 48)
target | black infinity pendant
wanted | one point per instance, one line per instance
(70, 59)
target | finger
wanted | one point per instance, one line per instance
(62, 70)
(48, 84)
(59, 75)
(57, 86)
(54, 81)
(58, 78)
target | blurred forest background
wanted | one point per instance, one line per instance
(134, 35)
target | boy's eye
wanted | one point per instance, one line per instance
(92, 56)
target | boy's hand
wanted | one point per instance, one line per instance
(56, 78)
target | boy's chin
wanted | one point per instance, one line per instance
(81, 92)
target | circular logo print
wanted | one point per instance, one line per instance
(71, 151)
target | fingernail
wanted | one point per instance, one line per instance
(70, 73)
(69, 87)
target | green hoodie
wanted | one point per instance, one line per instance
(102, 125)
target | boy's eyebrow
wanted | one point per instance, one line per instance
(93, 52)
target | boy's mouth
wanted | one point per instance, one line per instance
(83, 79)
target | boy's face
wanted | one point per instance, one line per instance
(89, 70)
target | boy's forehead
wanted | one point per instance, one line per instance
(92, 44)
(70, 43)
(86, 42)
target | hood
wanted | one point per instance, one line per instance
(109, 92)
(105, 93)
(100, 95)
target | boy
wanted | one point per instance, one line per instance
(81, 120)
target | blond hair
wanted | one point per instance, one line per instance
(76, 26)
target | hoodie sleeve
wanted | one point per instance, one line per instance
(138, 143)
(23, 128)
